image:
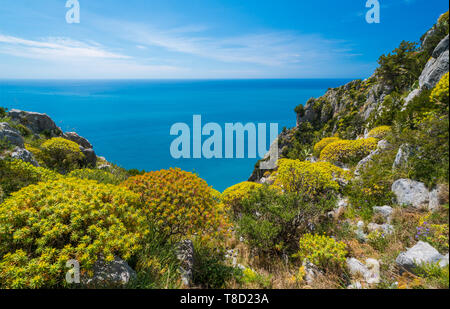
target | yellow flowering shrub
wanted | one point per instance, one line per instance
(233, 196)
(309, 178)
(96, 174)
(349, 151)
(323, 143)
(434, 234)
(180, 203)
(45, 225)
(380, 132)
(322, 251)
(17, 174)
(61, 154)
(440, 92)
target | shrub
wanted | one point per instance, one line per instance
(233, 196)
(61, 155)
(435, 234)
(311, 179)
(322, 251)
(45, 225)
(97, 175)
(180, 203)
(323, 143)
(440, 92)
(348, 151)
(211, 270)
(380, 132)
(271, 221)
(17, 174)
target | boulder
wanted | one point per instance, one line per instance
(444, 261)
(74, 137)
(90, 158)
(10, 135)
(369, 271)
(185, 254)
(384, 211)
(411, 193)
(421, 253)
(113, 274)
(36, 122)
(385, 228)
(360, 235)
(24, 155)
(438, 197)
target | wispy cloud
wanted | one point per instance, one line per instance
(54, 48)
(271, 48)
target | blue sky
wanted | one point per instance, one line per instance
(207, 39)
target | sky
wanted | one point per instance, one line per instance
(204, 39)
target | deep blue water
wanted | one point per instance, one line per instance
(128, 122)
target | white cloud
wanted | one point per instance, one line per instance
(54, 48)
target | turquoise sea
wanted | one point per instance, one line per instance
(129, 122)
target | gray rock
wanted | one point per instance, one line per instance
(90, 158)
(11, 135)
(311, 271)
(36, 122)
(444, 261)
(403, 154)
(438, 197)
(185, 254)
(421, 253)
(385, 228)
(385, 211)
(369, 271)
(411, 193)
(355, 286)
(74, 137)
(109, 275)
(360, 235)
(411, 96)
(441, 47)
(382, 145)
(434, 70)
(24, 155)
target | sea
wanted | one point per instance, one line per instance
(129, 121)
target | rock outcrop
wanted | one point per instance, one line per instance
(413, 193)
(74, 137)
(38, 123)
(113, 274)
(437, 66)
(24, 155)
(10, 135)
(369, 271)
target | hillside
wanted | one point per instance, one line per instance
(359, 198)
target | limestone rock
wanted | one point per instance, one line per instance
(113, 274)
(11, 135)
(411, 193)
(24, 155)
(421, 253)
(185, 254)
(369, 271)
(385, 211)
(36, 122)
(90, 158)
(436, 67)
(74, 137)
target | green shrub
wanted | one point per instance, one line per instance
(323, 143)
(61, 155)
(97, 175)
(211, 270)
(233, 196)
(17, 174)
(271, 221)
(45, 225)
(322, 251)
(348, 151)
(311, 179)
